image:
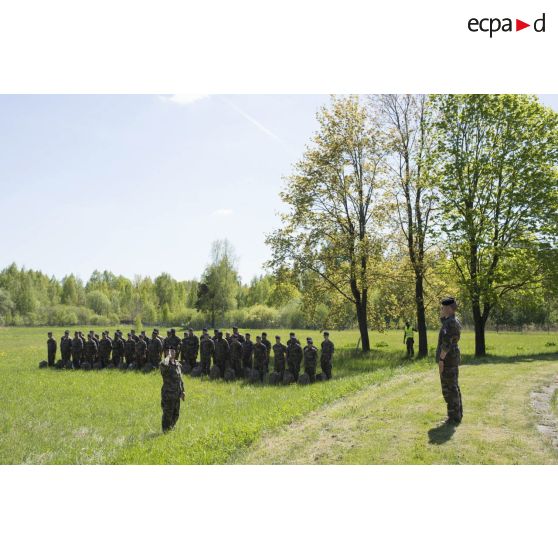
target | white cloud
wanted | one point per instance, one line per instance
(222, 213)
(184, 99)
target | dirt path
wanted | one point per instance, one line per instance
(546, 419)
(400, 422)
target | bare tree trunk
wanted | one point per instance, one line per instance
(421, 317)
(363, 326)
(480, 343)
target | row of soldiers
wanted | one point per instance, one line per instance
(234, 352)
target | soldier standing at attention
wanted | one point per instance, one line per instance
(267, 344)
(448, 359)
(51, 349)
(66, 347)
(294, 355)
(279, 357)
(260, 357)
(193, 347)
(155, 349)
(326, 358)
(207, 350)
(247, 350)
(77, 350)
(235, 353)
(409, 339)
(90, 349)
(172, 391)
(141, 351)
(117, 348)
(134, 336)
(105, 347)
(221, 353)
(310, 359)
(130, 349)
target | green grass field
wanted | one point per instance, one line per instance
(379, 408)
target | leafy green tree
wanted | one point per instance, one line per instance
(496, 158)
(219, 284)
(7, 305)
(331, 229)
(70, 294)
(99, 302)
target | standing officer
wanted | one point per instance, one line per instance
(172, 391)
(279, 357)
(141, 351)
(155, 349)
(310, 359)
(221, 353)
(207, 350)
(130, 349)
(294, 356)
(448, 359)
(237, 335)
(51, 349)
(190, 348)
(235, 353)
(326, 358)
(66, 348)
(409, 339)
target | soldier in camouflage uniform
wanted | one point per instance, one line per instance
(235, 355)
(237, 335)
(326, 357)
(105, 347)
(51, 349)
(117, 349)
(66, 347)
(134, 336)
(155, 349)
(141, 351)
(77, 350)
(260, 357)
(207, 350)
(172, 391)
(267, 344)
(90, 350)
(448, 358)
(279, 357)
(190, 347)
(130, 350)
(247, 351)
(310, 359)
(221, 353)
(294, 355)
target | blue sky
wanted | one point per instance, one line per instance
(143, 184)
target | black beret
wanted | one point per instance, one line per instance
(264, 333)
(277, 337)
(326, 332)
(309, 339)
(66, 331)
(448, 301)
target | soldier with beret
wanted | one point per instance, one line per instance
(130, 349)
(207, 350)
(77, 350)
(105, 348)
(235, 356)
(294, 355)
(221, 354)
(247, 352)
(279, 357)
(155, 349)
(260, 357)
(66, 348)
(117, 348)
(448, 358)
(267, 344)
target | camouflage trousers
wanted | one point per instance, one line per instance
(170, 404)
(310, 369)
(236, 365)
(294, 368)
(451, 392)
(260, 366)
(279, 367)
(205, 361)
(191, 358)
(325, 364)
(51, 358)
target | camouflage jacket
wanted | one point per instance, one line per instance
(267, 344)
(235, 349)
(310, 355)
(190, 344)
(260, 352)
(294, 352)
(221, 349)
(448, 340)
(155, 346)
(65, 344)
(118, 347)
(207, 347)
(327, 349)
(279, 351)
(172, 380)
(247, 349)
(105, 347)
(51, 345)
(77, 345)
(141, 347)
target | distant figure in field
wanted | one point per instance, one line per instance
(237, 335)
(409, 339)
(207, 350)
(130, 350)
(141, 351)
(172, 391)
(310, 359)
(294, 355)
(326, 358)
(51, 349)
(260, 357)
(448, 358)
(235, 356)
(117, 349)
(155, 349)
(247, 352)
(267, 344)
(105, 348)
(221, 353)
(279, 357)
(190, 348)
(77, 350)
(66, 348)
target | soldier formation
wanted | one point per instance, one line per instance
(229, 357)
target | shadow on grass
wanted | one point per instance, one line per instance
(441, 434)
(472, 360)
